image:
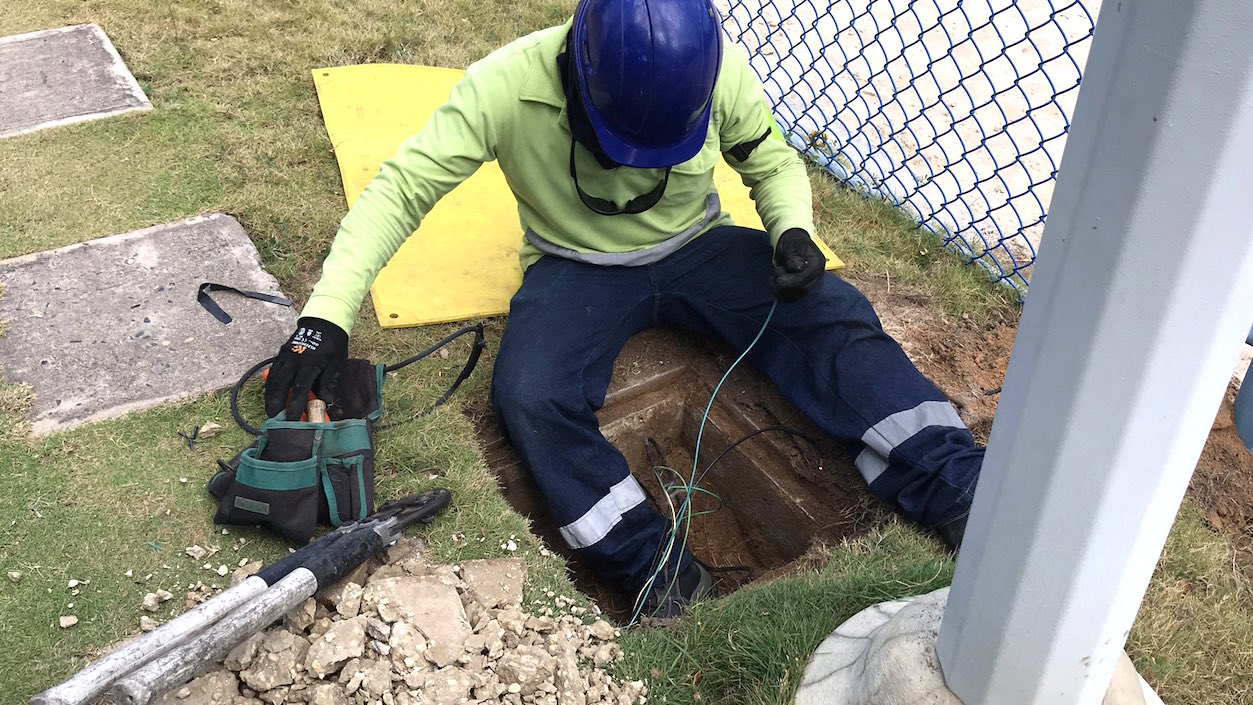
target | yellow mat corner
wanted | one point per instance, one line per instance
(369, 111)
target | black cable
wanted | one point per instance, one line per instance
(477, 329)
(480, 344)
(239, 418)
(781, 429)
(654, 453)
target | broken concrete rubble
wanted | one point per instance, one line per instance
(495, 583)
(406, 638)
(215, 688)
(342, 641)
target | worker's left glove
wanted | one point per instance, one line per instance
(798, 266)
(311, 360)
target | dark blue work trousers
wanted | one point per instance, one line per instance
(826, 353)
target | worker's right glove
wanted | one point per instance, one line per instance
(312, 359)
(798, 265)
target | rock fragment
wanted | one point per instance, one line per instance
(571, 688)
(270, 670)
(68, 621)
(327, 694)
(245, 571)
(302, 617)
(377, 629)
(447, 686)
(527, 666)
(342, 641)
(407, 647)
(602, 630)
(349, 602)
(495, 583)
(215, 688)
(377, 679)
(242, 655)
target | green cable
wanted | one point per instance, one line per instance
(690, 485)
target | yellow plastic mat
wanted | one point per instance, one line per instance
(369, 111)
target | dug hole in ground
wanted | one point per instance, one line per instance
(778, 499)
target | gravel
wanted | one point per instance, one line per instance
(411, 633)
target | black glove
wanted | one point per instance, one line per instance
(798, 266)
(312, 359)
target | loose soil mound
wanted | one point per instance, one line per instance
(1223, 481)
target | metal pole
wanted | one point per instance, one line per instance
(1139, 301)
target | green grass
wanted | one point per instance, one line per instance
(236, 128)
(1193, 638)
(874, 237)
(751, 648)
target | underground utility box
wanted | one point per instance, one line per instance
(765, 502)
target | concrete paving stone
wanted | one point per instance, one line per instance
(109, 326)
(61, 76)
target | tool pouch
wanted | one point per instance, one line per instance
(299, 474)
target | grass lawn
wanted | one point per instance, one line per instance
(236, 128)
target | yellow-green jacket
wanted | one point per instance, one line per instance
(510, 107)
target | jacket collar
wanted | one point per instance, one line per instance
(542, 84)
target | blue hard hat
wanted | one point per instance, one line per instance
(646, 71)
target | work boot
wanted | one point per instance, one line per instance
(953, 532)
(694, 583)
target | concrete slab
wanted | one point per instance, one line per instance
(62, 76)
(108, 326)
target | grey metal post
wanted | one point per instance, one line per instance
(1139, 300)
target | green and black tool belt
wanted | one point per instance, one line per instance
(299, 474)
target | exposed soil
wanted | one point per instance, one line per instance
(969, 364)
(1223, 481)
(965, 360)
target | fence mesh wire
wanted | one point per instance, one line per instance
(955, 110)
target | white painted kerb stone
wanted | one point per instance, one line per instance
(885, 655)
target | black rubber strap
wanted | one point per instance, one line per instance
(741, 152)
(202, 295)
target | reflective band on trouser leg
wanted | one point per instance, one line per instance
(889, 433)
(596, 523)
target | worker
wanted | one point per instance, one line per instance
(607, 129)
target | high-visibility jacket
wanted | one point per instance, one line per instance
(511, 107)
